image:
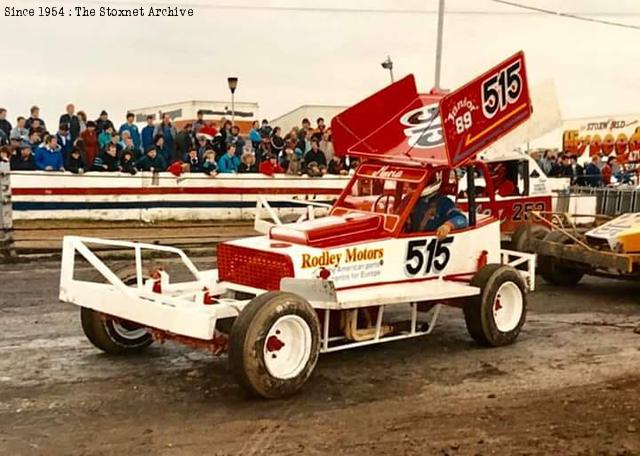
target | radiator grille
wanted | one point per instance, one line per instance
(253, 268)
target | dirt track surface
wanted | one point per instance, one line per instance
(570, 385)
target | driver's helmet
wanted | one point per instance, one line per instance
(431, 189)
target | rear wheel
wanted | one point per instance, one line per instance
(115, 336)
(495, 316)
(274, 345)
(521, 237)
(557, 271)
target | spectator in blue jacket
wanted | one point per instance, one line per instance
(48, 156)
(235, 138)
(147, 134)
(254, 135)
(133, 131)
(168, 132)
(229, 162)
(63, 137)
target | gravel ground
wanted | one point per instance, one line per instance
(570, 385)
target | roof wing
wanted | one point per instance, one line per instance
(485, 109)
(395, 123)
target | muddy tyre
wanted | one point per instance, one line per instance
(495, 316)
(274, 345)
(520, 237)
(557, 271)
(116, 337)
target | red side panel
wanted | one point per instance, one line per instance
(395, 123)
(253, 268)
(485, 109)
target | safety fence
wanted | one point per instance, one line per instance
(611, 201)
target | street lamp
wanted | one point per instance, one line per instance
(233, 84)
(388, 65)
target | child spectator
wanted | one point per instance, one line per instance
(90, 140)
(209, 166)
(107, 160)
(34, 118)
(151, 161)
(248, 163)
(103, 123)
(229, 162)
(192, 159)
(19, 131)
(146, 135)
(127, 162)
(133, 131)
(48, 156)
(72, 122)
(129, 146)
(337, 166)
(23, 160)
(270, 166)
(315, 155)
(74, 162)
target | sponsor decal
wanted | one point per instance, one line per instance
(334, 259)
(424, 127)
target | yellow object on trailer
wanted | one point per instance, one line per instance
(630, 239)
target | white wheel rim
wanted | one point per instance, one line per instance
(507, 307)
(287, 347)
(129, 334)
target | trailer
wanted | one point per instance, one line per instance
(567, 249)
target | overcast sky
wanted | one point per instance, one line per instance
(285, 58)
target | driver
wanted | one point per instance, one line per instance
(435, 212)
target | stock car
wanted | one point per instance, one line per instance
(278, 300)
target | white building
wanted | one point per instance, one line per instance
(186, 111)
(294, 117)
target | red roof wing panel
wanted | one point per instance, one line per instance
(482, 111)
(395, 123)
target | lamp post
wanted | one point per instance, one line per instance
(439, 43)
(388, 65)
(233, 84)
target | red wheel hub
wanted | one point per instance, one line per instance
(274, 344)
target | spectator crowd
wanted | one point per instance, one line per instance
(597, 171)
(79, 145)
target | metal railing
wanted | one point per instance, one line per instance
(611, 201)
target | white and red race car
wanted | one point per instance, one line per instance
(276, 301)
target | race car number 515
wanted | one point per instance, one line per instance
(424, 256)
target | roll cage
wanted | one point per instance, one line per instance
(390, 190)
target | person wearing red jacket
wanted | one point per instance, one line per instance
(90, 140)
(271, 166)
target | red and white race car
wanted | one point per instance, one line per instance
(276, 301)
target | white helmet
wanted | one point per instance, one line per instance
(432, 189)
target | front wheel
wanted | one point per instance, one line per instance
(557, 271)
(113, 336)
(274, 345)
(495, 316)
